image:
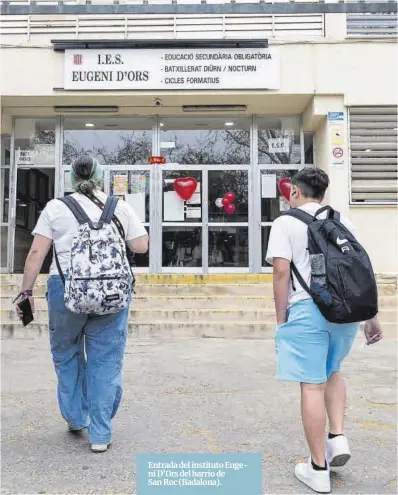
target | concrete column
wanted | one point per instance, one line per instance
(315, 118)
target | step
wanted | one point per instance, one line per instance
(166, 330)
(172, 278)
(187, 315)
(172, 315)
(174, 290)
(177, 302)
(197, 302)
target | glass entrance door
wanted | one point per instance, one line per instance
(201, 234)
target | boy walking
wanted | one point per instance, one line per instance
(309, 348)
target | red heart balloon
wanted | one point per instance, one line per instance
(229, 209)
(284, 186)
(185, 187)
(225, 201)
(230, 196)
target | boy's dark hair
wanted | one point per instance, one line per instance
(313, 182)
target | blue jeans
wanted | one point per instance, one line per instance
(88, 358)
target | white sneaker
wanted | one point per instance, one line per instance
(337, 451)
(99, 447)
(319, 481)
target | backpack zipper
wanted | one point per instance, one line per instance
(99, 278)
(345, 290)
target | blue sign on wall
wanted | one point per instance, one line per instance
(336, 116)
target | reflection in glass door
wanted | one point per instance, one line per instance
(273, 203)
(204, 233)
(133, 185)
(228, 222)
(182, 220)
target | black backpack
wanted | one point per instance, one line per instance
(343, 285)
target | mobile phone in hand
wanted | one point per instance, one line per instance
(27, 315)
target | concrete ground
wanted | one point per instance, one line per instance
(203, 396)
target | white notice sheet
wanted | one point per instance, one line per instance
(173, 207)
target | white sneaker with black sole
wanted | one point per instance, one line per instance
(337, 451)
(319, 481)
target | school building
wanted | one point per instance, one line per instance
(183, 102)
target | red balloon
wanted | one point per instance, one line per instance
(229, 209)
(230, 196)
(284, 186)
(225, 201)
(185, 187)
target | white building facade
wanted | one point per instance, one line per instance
(235, 95)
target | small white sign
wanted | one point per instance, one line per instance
(25, 157)
(268, 186)
(194, 212)
(278, 145)
(137, 202)
(167, 145)
(195, 199)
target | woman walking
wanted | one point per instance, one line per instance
(87, 350)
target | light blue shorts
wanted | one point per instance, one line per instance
(308, 347)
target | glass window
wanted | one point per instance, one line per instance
(272, 208)
(111, 140)
(142, 260)
(220, 183)
(265, 233)
(228, 247)
(204, 140)
(4, 246)
(279, 140)
(34, 142)
(5, 193)
(182, 247)
(309, 148)
(175, 209)
(5, 149)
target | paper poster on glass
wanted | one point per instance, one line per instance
(278, 145)
(137, 183)
(196, 197)
(120, 185)
(173, 207)
(268, 185)
(194, 212)
(137, 202)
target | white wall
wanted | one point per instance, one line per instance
(377, 226)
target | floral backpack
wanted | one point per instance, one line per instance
(99, 280)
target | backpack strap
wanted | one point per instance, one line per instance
(115, 219)
(332, 214)
(300, 215)
(109, 209)
(306, 218)
(80, 215)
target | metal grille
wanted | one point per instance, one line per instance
(373, 147)
(161, 26)
(373, 25)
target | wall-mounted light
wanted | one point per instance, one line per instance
(89, 124)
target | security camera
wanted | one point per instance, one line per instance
(158, 102)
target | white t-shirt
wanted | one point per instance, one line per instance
(289, 240)
(58, 223)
